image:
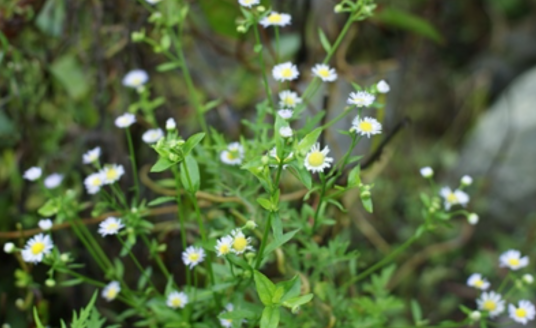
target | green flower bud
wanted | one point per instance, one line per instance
(50, 282)
(19, 303)
(241, 29)
(365, 194)
(65, 257)
(161, 248)
(338, 8)
(261, 9)
(250, 225)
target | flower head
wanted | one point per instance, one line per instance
(383, 87)
(325, 73)
(45, 224)
(224, 245)
(94, 182)
(33, 173)
(289, 99)
(491, 302)
(91, 156)
(427, 172)
(512, 259)
(248, 3)
(125, 120)
(9, 247)
(177, 300)
(111, 291)
(233, 155)
(522, 314)
(192, 256)
(227, 323)
(366, 126)
(284, 113)
(285, 72)
(53, 181)
(456, 197)
(36, 248)
(112, 173)
(466, 180)
(285, 132)
(240, 242)
(170, 124)
(317, 160)
(477, 281)
(360, 99)
(276, 19)
(110, 226)
(135, 78)
(153, 135)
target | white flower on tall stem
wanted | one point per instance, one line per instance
(491, 302)
(36, 248)
(177, 300)
(45, 224)
(112, 173)
(248, 3)
(33, 173)
(324, 72)
(285, 132)
(477, 281)
(512, 259)
(456, 197)
(135, 78)
(233, 155)
(110, 226)
(110, 292)
(153, 135)
(53, 181)
(522, 314)
(224, 245)
(125, 120)
(170, 124)
(366, 126)
(360, 99)
(94, 182)
(317, 160)
(285, 72)
(91, 156)
(285, 113)
(240, 242)
(383, 87)
(289, 99)
(192, 256)
(227, 323)
(276, 19)
(9, 248)
(466, 181)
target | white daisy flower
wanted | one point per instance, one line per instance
(94, 182)
(192, 256)
(285, 132)
(224, 245)
(273, 153)
(112, 173)
(110, 226)
(324, 72)
(153, 135)
(289, 99)
(135, 78)
(473, 218)
(466, 180)
(177, 300)
(491, 302)
(456, 197)
(285, 72)
(36, 248)
(285, 113)
(111, 291)
(477, 281)
(45, 224)
(233, 155)
(276, 19)
(366, 126)
(249, 3)
(170, 124)
(125, 120)
(9, 247)
(91, 156)
(33, 173)
(360, 99)
(383, 87)
(427, 172)
(227, 323)
(53, 181)
(513, 260)
(317, 160)
(240, 242)
(522, 314)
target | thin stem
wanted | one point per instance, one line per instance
(320, 201)
(264, 241)
(156, 257)
(134, 167)
(137, 263)
(181, 219)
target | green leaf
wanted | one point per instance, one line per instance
(324, 40)
(238, 315)
(279, 291)
(354, 178)
(416, 312)
(292, 288)
(407, 21)
(168, 66)
(211, 104)
(367, 204)
(257, 48)
(50, 208)
(68, 72)
(36, 318)
(238, 261)
(265, 203)
(192, 180)
(296, 302)
(192, 142)
(270, 317)
(276, 243)
(161, 200)
(265, 287)
(162, 164)
(51, 17)
(165, 42)
(308, 141)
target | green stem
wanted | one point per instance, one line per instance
(134, 168)
(156, 258)
(320, 201)
(181, 219)
(264, 241)
(137, 263)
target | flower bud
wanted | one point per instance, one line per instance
(50, 282)
(472, 218)
(241, 29)
(174, 157)
(19, 303)
(261, 9)
(170, 124)
(6, 325)
(427, 172)
(475, 316)
(528, 279)
(9, 248)
(365, 194)
(137, 36)
(466, 180)
(65, 257)
(250, 225)
(265, 160)
(338, 8)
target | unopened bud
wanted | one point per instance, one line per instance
(241, 29)
(365, 194)
(466, 180)
(250, 225)
(427, 172)
(50, 282)
(261, 9)
(161, 248)
(528, 279)
(170, 124)
(65, 257)
(475, 315)
(9, 248)
(265, 160)
(19, 303)
(338, 8)
(472, 218)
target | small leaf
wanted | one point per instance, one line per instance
(165, 42)
(265, 203)
(292, 288)
(192, 180)
(162, 164)
(168, 66)
(192, 142)
(161, 200)
(270, 317)
(367, 204)
(416, 312)
(265, 287)
(50, 208)
(354, 178)
(276, 243)
(295, 302)
(308, 141)
(324, 40)
(257, 48)
(409, 22)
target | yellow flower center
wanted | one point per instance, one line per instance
(193, 257)
(365, 126)
(232, 154)
(451, 198)
(521, 313)
(111, 174)
(224, 249)
(274, 18)
(513, 262)
(37, 248)
(247, 2)
(289, 101)
(324, 72)
(286, 72)
(112, 293)
(136, 81)
(316, 159)
(176, 302)
(359, 100)
(489, 305)
(479, 283)
(112, 226)
(240, 243)
(96, 182)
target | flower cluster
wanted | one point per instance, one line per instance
(236, 243)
